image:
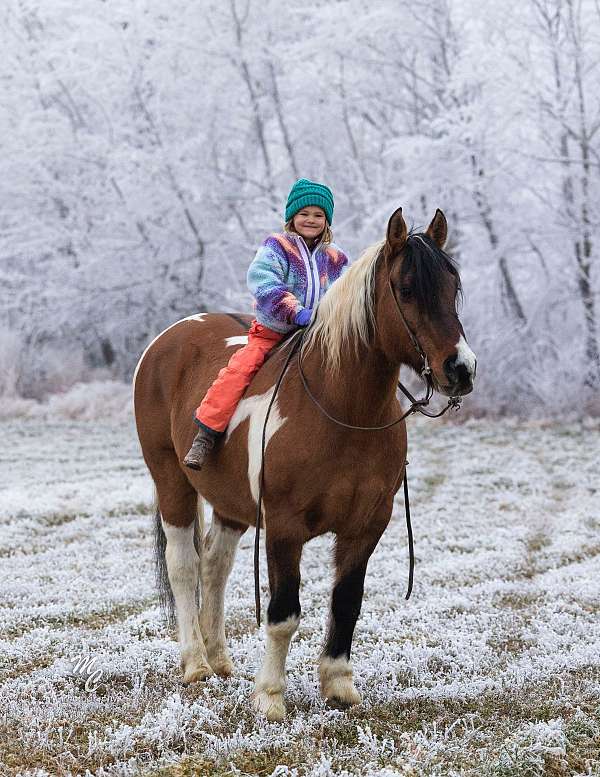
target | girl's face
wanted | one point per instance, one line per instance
(310, 222)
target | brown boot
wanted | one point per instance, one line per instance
(203, 443)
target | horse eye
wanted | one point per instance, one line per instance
(405, 293)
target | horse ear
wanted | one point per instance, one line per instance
(438, 229)
(396, 231)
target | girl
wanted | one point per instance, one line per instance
(288, 276)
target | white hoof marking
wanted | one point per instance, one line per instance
(337, 683)
(270, 705)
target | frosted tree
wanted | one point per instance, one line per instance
(149, 147)
(560, 71)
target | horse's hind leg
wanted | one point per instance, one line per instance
(178, 504)
(352, 553)
(219, 549)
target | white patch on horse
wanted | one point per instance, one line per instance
(466, 356)
(219, 548)
(183, 566)
(256, 408)
(337, 682)
(270, 681)
(195, 317)
(236, 340)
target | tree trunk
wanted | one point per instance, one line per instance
(509, 292)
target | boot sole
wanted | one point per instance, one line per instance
(192, 465)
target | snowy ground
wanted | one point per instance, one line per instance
(492, 667)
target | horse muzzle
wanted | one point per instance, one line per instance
(459, 377)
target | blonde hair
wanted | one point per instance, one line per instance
(326, 235)
(345, 314)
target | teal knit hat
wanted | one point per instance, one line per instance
(304, 193)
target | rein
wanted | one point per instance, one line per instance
(417, 406)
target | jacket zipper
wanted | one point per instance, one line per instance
(312, 275)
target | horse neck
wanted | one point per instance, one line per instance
(361, 392)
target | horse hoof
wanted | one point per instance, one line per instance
(340, 690)
(342, 695)
(221, 665)
(337, 684)
(270, 705)
(195, 674)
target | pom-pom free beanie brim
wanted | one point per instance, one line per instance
(304, 193)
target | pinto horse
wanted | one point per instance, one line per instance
(396, 303)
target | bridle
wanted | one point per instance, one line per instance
(426, 371)
(417, 405)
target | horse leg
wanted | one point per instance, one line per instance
(352, 554)
(178, 504)
(283, 617)
(219, 549)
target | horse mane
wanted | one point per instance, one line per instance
(425, 263)
(346, 316)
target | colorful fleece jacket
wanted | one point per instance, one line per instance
(285, 276)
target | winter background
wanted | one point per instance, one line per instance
(147, 149)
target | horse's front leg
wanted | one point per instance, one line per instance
(283, 617)
(352, 553)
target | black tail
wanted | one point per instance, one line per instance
(165, 592)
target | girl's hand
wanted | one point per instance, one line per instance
(303, 317)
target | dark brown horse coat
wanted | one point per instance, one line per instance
(319, 477)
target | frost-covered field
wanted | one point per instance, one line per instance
(492, 667)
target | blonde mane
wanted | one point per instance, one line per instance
(345, 314)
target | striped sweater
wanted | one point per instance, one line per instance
(286, 276)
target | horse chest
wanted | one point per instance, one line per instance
(315, 473)
(326, 496)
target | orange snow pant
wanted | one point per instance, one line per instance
(222, 397)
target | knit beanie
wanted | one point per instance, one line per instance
(304, 193)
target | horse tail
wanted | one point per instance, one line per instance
(165, 592)
(198, 540)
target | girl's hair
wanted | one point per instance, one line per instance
(326, 234)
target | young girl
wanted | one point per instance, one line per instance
(289, 274)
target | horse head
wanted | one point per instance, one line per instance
(415, 306)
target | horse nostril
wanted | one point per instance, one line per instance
(457, 374)
(463, 374)
(450, 369)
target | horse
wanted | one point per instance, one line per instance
(395, 305)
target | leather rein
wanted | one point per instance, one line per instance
(417, 406)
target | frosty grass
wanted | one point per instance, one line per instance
(491, 668)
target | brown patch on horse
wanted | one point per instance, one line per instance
(234, 525)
